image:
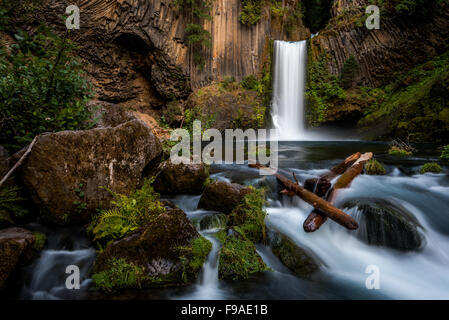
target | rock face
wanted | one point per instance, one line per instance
(180, 178)
(222, 196)
(65, 171)
(293, 257)
(396, 46)
(167, 249)
(16, 246)
(384, 223)
(136, 51)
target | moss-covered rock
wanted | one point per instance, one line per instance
(248, 218)
(374, 167)
(386, 223)
(222, 196)
(431, 167)
(181, 178)
(238, 259)
(292, 256)
(169, 250)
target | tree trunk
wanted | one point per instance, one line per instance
(318, 203)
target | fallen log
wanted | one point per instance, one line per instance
(316, 219)
(321, 188)
(318, 203)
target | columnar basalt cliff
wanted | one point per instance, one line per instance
(399, 43)
(137, 54)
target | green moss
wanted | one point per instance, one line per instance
(445, 153)
(431, 167)
(248, 218)
(239, 259)
(40, 241)
(251, 12)
(120, 275)
(127, 215)
(200, 249)
(374, 167)
(398, 152)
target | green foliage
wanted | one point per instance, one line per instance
(200, 250)
(431, 167)
(227, 83)
(40, 241)
(322, 90)
(11, 202)
(445, 153)
(239, 259)
(43, 88)
(398, 152)
(248, 218)
(195, 113)
(374, 167)
(415, 104)
(127, 215)
(350, 68)
(251, 12)
(196, 8)
(250, 82)
(171, 114)
(409, 8)
(119, 275)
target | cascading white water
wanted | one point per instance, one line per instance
(288, 89)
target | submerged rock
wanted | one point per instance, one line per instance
(66, 172)
(385, 223)
(181, 178)
(215, 221)
(168, 251)
(222, 196)
(292, 256)
(16, 248)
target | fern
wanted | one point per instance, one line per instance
(10, 201)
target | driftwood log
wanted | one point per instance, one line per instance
(354, 167)
(320, 186)
(318, 203)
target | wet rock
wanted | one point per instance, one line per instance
(292, 256)
(222, 196)
(216, 221)
(181, 178)
(66, 172)
(169, 251)
(386, 223)
(238, 258)
(16, 248)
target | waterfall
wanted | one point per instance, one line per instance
(289, 88)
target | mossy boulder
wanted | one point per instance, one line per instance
(65, 171)
(431, 167)
(16, 249)
(222, 196)
(375, 168)
(292, 256)
(168, 250)
(386, 223)
(399, 152)
(181, 178)
(238, 258)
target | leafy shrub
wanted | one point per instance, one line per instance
(227, 82)
(431, 167)
(11, 202)
(373, 167)
(445, 153)
(251, 12)
(42, 88)
(250, 82)
(127, 215)
(40, 241)
(120, 275)
(398, 152)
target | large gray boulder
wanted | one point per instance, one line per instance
(67, 172)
